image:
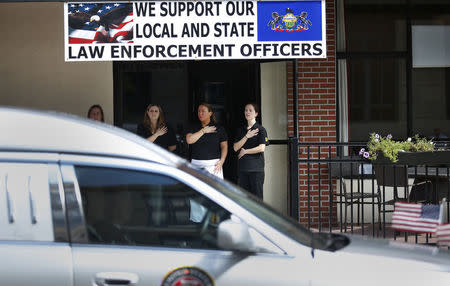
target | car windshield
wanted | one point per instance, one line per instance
(278, 221)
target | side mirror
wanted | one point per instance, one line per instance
(235, 235)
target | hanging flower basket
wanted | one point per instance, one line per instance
(391, 158)
(395, 151)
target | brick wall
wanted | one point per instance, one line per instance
(316, 121)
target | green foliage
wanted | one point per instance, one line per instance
(390, 148)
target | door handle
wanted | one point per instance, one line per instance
(115, 278)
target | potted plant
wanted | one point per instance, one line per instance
(390, 158)
(386, 150)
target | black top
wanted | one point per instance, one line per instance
(164, 141)
(252, 162)
(207, 146)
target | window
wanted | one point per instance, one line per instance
(377, 97)
(430, 20)
(26, 205)
(386, 50)
(431, 101)
(376, 89)
(139, 208)
(375, 26)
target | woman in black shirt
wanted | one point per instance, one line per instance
(155, 130)
(250, 142)
(208, 141)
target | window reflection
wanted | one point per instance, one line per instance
(138, 208)
(377, 96)
(375, 26)
(431, 101)
(384, 92)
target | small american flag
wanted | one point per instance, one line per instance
(100, 23)
(416, 217)
(443, 234)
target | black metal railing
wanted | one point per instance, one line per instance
(334, 189)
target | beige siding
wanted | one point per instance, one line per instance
(274, 119)
(33, 72)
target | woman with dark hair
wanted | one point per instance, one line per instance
(250, 141)
(208, 141)
(96, 113)
(155, 130)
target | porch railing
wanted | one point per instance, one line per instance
(334, 189)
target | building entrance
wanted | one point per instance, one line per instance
(179, 87)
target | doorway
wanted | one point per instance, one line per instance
(179, 87)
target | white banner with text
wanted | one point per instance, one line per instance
(186, 30)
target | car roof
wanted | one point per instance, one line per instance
(51, 131)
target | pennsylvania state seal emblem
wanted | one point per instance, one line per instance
(289, 22)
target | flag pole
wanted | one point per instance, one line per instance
(441, 211)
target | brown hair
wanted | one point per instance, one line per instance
(161, 122)
(209, 107)
(99, 107)
(255, 106)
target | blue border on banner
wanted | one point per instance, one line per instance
(203, 30)
(308, 28)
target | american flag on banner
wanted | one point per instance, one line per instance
(100, 23)
(416, 217)
(443, 234)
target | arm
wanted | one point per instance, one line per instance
(152, 138)
(258, 149)
(159, 132)
(223, 155)
(191, 138)
(238, 145)
(172, 148)
(250, 133)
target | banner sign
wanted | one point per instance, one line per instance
(186, 30)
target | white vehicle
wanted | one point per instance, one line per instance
(85, 203)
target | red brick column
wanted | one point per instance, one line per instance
(316, 121)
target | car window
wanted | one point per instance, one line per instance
(129, 207)
(260, 209)
(25, 203)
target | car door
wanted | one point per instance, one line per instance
(33, 239)
(147, 227)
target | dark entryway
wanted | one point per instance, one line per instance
(179, 87)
